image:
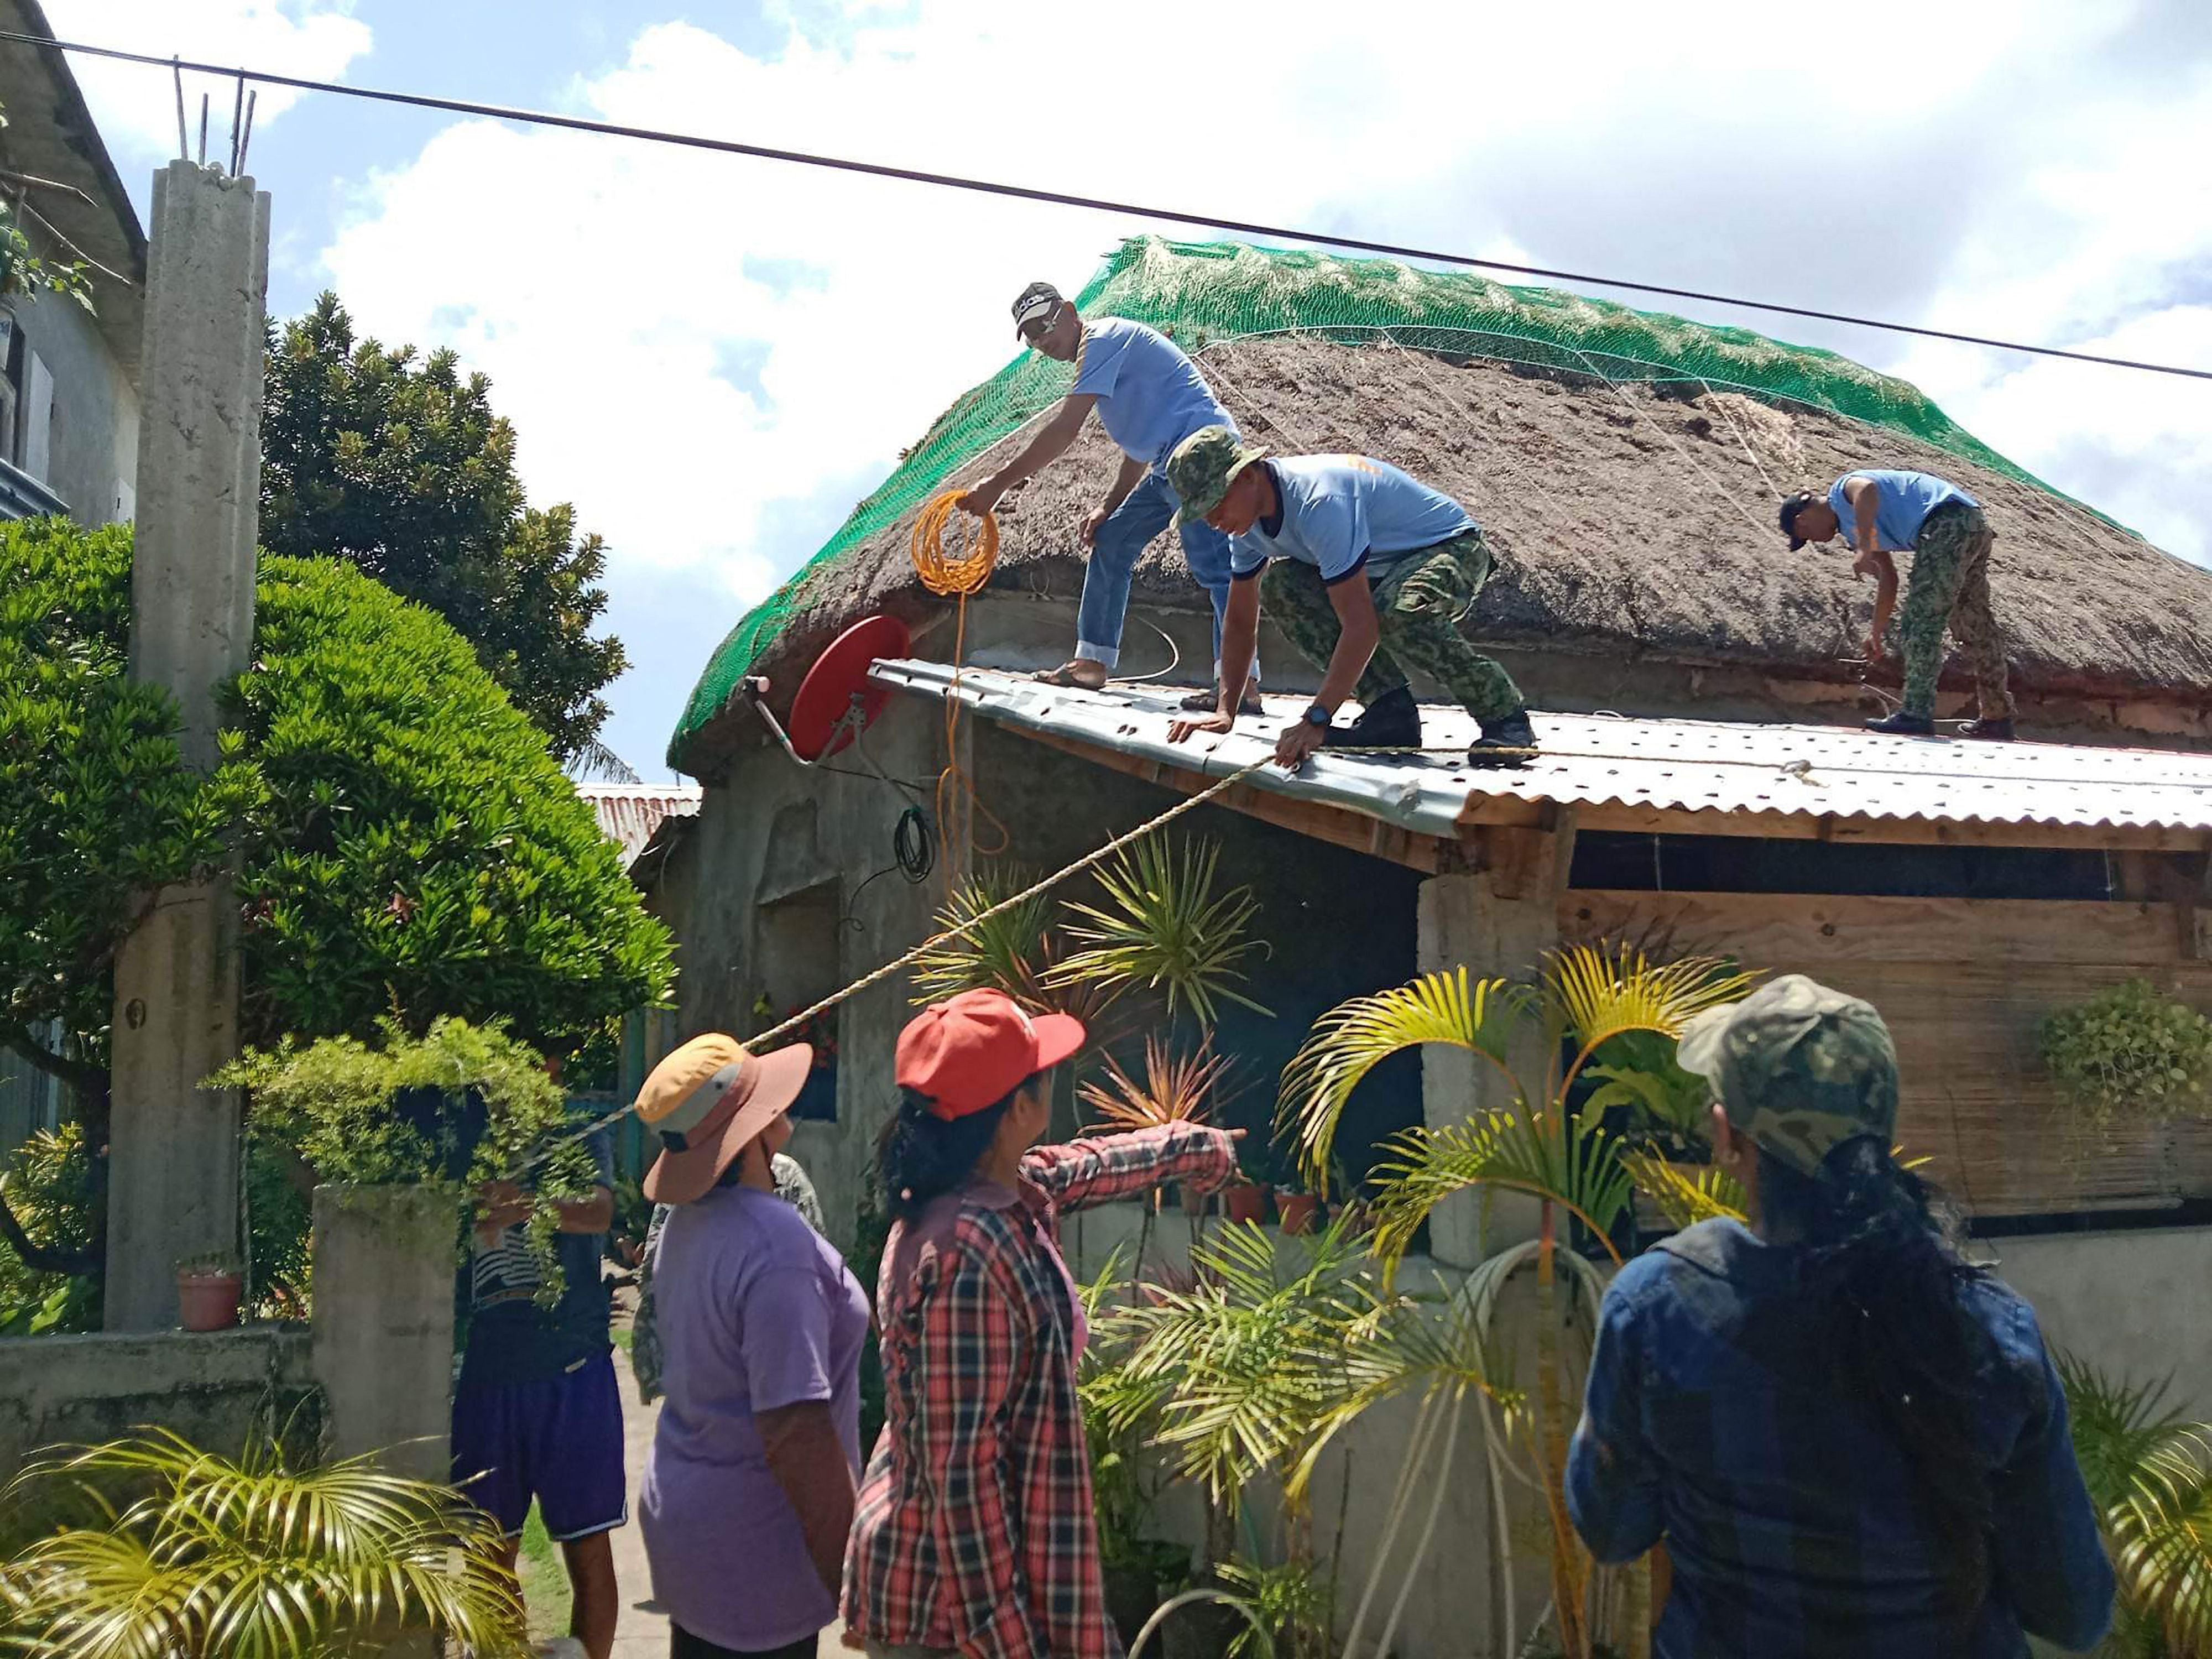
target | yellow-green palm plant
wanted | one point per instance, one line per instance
(2149, 1472)
(159, 1550)
(1537, 1145)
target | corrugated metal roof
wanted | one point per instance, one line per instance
(1601, 761)
(629, 813)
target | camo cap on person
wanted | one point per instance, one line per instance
(1203, 467)
(1800, 1068)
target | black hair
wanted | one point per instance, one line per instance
(1877, 1259)
(921, 1155)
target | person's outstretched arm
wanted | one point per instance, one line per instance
(1051, 442)
(1103, 1168)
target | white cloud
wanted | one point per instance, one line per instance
(136, 105)
(632, 302)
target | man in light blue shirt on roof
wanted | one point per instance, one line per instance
(1880, 512)
(1150, 397)
(1367, 571)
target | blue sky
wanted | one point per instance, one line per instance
(714, 358)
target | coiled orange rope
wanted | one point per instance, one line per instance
(955, 573)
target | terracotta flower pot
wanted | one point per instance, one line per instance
(1247, 1200)
(1299, 1210)
(208, 1302)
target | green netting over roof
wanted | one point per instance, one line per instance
(1204, 292)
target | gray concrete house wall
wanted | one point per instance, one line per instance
(87, 450)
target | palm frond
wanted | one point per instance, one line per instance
(1354, 1037)
(1543, 1154)
(252, 1557)
(1683, 1197)
(1004, 952)
(1176, 1088)
(1595, 993)
(1163, 928)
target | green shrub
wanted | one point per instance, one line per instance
(485, 1110)
(48, 1185)
(2129, 1052)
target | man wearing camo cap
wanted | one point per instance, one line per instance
(1848, 1440)
(1368, 572)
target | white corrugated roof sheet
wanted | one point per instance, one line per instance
(629, 813)
(1601, 760)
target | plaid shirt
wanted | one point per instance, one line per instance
(1789, 1515)
(975, 1531)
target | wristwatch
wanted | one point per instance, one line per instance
(1317, 717)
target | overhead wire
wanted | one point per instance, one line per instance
(1067, 198)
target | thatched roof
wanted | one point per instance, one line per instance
(1632, 508)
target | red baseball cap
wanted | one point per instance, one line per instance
(974, 1049)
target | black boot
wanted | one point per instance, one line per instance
(1393, 720)
(1509, 740)
(1988, 731)
(1903, 724)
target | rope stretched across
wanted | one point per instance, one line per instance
(954, 575)
(776, 1034)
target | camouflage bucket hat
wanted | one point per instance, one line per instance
(1203, 467)
(1801, 1068)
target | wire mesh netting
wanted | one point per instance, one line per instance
(1203, 293)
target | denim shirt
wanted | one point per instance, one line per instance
(1711, 1421)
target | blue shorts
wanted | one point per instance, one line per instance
(558, 1440)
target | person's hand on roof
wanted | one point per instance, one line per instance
(1298, 739)
(1191, 725)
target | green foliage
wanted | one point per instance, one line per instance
(402, 469)
(95, 811)
(1002, 953)
(48, 1185)
(2149, 1472)
(24, 271)
(417, 848)
(163, 1549)
(2130, 1052)
(1292, 1601)
(407, 841)
(278, 1215)
(1163, 927)
(337, 1103)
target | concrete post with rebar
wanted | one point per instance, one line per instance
(174, 1163)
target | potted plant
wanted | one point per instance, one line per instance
(208, 1290)
(1245, 1199)
(1299, 1208)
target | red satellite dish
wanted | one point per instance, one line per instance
(840, 674)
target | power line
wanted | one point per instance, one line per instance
(1062, 198)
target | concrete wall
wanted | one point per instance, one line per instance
(219, 1389)
(2130, 1303)
(91, 439)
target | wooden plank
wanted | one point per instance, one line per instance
(1805, 933)
(1340, 826)
(1801, 826)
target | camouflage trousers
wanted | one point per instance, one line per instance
(1419, 598)
(1949, 587)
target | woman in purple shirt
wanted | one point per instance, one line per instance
(748, 1493)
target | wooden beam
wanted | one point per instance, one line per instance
(1340, 826)
(1793, 931)
(1527, 862)
(1484, 810)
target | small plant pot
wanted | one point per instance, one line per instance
(208, 1302)
(1247, 1200)
(1301, 1212)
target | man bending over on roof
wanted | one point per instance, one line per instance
(1150, 397)
(1879, 513)
(1365, 567)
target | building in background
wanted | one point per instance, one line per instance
(68, 378)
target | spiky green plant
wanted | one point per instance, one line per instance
(162, 1550)
(1163, 927)
(2149, 1472)
(1004, 952)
